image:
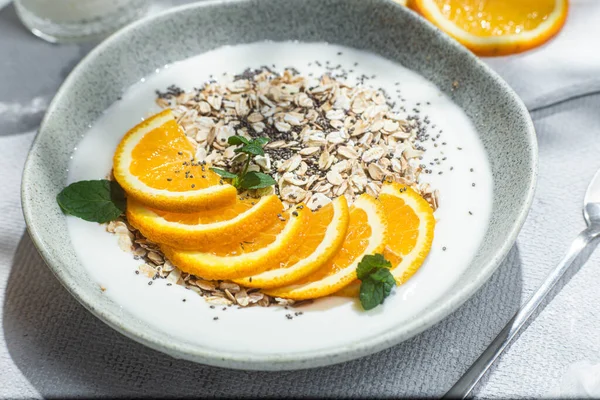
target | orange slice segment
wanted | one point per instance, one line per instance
(492, 28)
(411, 227)
(205, 229)
(249, 256)
(367, 232)
(155, 165)
(324, 237)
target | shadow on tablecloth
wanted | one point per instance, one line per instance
(64, 351)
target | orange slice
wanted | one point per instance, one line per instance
(324, 237)
(367, 232)
(249, 256)
(154, 163)
(494, 27)
(411, 226)
(207, 228)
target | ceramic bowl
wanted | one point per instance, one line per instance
(379, 26)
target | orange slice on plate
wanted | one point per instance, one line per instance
(201, 230)
(411, 226)
(249, 256)
(494, 27)
(155, 165)
(324, 237)
(367, 233)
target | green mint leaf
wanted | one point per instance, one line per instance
(373, 292)
(223, 173)
(369, 264)
(377, 280)
(251, 149)
(375, 288)
(235, 140)
(95, 201)
(256, 180)
(261, 141)
(384, 276)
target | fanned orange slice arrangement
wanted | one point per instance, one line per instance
(155, 165)
(205, 228)
(493, 28)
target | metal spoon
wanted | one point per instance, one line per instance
(580, 250)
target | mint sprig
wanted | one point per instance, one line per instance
(224, 174)
(376, 280)
(247, 179)
(95, 201)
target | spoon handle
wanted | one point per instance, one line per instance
(467, 382)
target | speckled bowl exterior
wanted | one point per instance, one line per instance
(380, 26)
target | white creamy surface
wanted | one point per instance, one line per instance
(328, 322)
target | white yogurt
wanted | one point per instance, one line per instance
(327, 322)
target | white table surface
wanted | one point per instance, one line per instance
(50, 346)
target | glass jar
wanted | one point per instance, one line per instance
(77, 20)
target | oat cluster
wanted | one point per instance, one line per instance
(328, 138)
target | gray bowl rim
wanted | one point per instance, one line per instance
(292, 361)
